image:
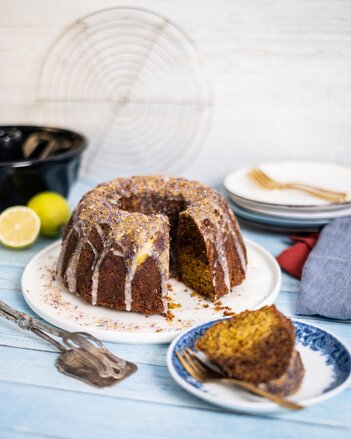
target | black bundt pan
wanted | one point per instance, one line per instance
(20, 179)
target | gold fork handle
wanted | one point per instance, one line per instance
(345, 195)
(257, 391)
(320, 193)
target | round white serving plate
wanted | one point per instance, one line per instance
(51, 301)
(326, 360)
(329, 176)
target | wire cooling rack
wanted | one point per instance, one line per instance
(133, 82)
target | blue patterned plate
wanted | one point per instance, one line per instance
(326, 359)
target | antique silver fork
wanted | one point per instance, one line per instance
(82, 356)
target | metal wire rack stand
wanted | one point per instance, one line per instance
(134, 82)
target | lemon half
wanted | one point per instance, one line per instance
(19, 227)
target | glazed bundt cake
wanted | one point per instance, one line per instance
(126, 237)
(254, 346)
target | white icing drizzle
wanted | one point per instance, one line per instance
(224, 224)
(116, 252)
(163, 266)
(218, 242)
(238, 244)
(96, 272)
(99, 231)
(95, 254)
(222, 256)
(130, 276)
(62, 253)
(71, 270)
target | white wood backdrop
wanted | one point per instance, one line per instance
(280, 72)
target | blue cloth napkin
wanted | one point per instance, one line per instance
(325, 287)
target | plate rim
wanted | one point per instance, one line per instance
(247, 406)
(277, 162)
(291, 207)
(126, 337)
(277, 229)
(274, 220)
(291, 214)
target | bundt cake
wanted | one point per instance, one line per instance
(126, 237)
(254, 346)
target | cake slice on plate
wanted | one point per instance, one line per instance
(257, 347)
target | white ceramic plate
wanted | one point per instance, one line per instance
(289, 224)
(291, 214)
(332, 207)
(50, 300)
(326, 360)
(330, 176)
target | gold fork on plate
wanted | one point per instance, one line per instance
(203, 373)
(265, 181)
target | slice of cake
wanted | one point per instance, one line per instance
(254, 346)
(291, 380)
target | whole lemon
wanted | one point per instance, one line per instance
(53, 211)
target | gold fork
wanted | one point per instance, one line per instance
(263, 180)
(201, 372)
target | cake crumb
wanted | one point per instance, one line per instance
(197, 295)
(174, 305)
(229, 313)
(171, 304)
(169, 316)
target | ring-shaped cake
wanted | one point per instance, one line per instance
(127, 237)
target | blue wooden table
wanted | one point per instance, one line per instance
(37, 401)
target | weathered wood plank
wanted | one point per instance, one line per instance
(14, 434)
(150, 384)
(68, 414)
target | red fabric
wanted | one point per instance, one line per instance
(293, 258)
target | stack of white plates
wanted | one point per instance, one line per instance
(289, 210)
